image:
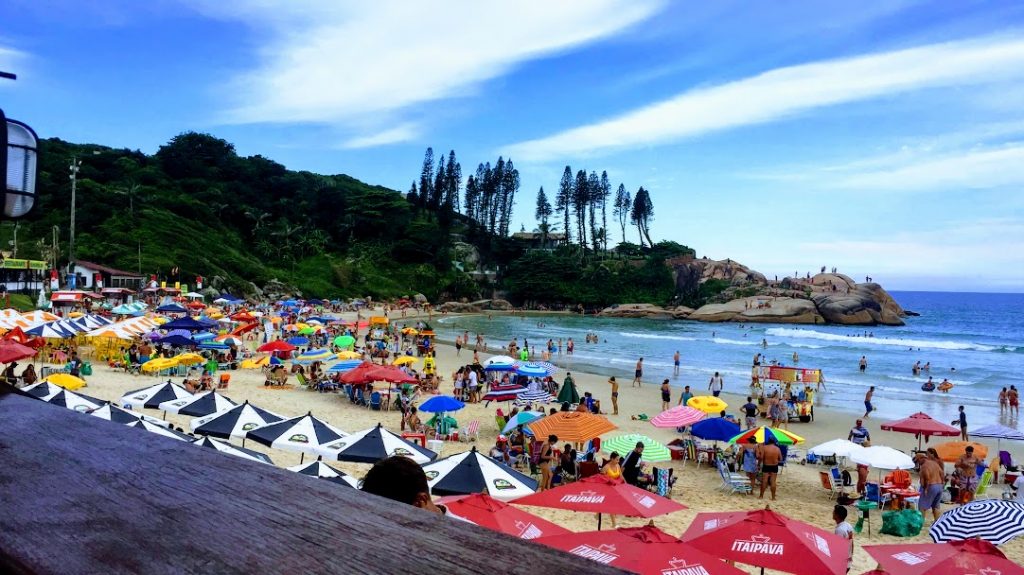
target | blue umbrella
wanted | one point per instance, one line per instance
(189, 324)
(715, 429)
(176, 340)
(345, 366)
(443, 403)
(298, 340)
(203, 336)
(274, 360)
(181, 332)
(172, 308)
(214, 345)
(522, 418)
(535, 369)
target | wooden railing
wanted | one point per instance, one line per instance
(82, 495)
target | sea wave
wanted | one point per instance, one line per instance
(634, 334)
(897, 342)
(726, 341)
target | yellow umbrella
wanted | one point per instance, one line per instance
(410, 331)
(255, 362)
(189, 358)
(349, 354)
(65, 380)
(159, 364)
(76, 314)
(707, 403)
(404, 360)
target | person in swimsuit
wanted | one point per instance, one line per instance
(675, 363)
(771, 457)
(1003, 402)
(1013, 398)
(548, 462)
(613, 470)
(868, 408)
(863, 364)
(748, 460)
(639, 372)
(615, 395)
(666, 395)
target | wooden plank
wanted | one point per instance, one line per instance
(82, 495)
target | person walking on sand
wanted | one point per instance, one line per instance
(863, 364)
(638, 373)
(548, 462)
(933, 480)
(716, 384)
(771, 457)
(961, 420)
(748, 461)
(666, 395)
(686, 396)
(615, 395)
(868, 408)
(675, 364)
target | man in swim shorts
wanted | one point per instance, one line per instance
(932, 481)
(771, 457)
(868, 408)
(639, 373)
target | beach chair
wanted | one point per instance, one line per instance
(734, 482)
(225, 379)
(983, 484)
(375, 401)
(303, 381)
(873, 493)
(829, 484)
(360, 396)
(471, 432)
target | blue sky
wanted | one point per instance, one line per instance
(886, 139)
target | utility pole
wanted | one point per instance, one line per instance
(76, 165)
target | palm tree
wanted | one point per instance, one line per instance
(131, 190)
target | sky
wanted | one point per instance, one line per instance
(885, 139)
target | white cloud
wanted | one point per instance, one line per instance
(980, 169)
(12, 61)
(396, 135)
(363, 64)
(787, 92)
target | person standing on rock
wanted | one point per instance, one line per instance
(638, 373)
(675, 363)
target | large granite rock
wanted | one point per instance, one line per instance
(458, 307)
(760, 310)
(494, 304)
(645, 311)
(689, 273)
(863, 304)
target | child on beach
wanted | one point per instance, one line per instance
(844, 530)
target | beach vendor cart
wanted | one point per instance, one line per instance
(800, 385)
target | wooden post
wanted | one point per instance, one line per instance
(84, 495)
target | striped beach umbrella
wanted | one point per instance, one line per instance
(234, 422)
(993, 520)
(74, 401)
(345, 366)
(198, 405)
(678, 416)
(535, 368)
(499, 363)
(225, 447)
(315, 355)
(572, 426)
(762, 434)
(521, 418)
(654, 452)
(160, 430)
(528, 397)
(111, 412)
(305, 434)
(154, 395)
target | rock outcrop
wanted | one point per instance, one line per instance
(863, 304)
(645, 311)
(458, 307)
(761, 310)
(493, 304)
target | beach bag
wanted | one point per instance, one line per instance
(847, 478)
(86, 368)
(905, 523)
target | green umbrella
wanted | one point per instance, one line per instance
(344, 341)
(568, 393)
(653, 451)
(307, 331)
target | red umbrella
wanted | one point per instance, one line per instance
(361, 374)
(486, 511)
(391, 374)
(602, 494)
(13, 351)
(276, 345)
(640, 550)
(769, 540)
(970, 557)
(921, 425)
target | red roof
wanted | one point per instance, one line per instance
(107, 269)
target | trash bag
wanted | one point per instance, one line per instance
(86, 368)
(905, 523)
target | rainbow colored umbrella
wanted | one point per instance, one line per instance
(761, 435)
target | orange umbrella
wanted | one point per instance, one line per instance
(952, 450)
(572, 426)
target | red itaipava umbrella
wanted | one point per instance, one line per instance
(921, 425)
(601, 494)
(361, 374)
(13, 351)
(486, 511)
(678, 416)
(641, 550)
(276, 345)
(970, 557)
(769, 540)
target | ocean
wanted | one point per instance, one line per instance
(974, 339)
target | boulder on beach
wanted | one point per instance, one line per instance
(493, 304)
(863, 304)
(645, 311)
(458, 307)
(760, 310)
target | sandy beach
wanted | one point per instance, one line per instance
(800, 493)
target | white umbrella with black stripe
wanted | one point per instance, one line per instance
(111, 412)
(75, 401)
(225, 447)
(474, 472)
(159, 430)
(234, 422)
(154, 395)
(372, 445)
(199, 405)
(305, 434)
(993, 520)
(323, 471)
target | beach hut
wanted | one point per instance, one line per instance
(644, 549)
(234, 422)
(372, 445)
(305, 434)
(473, 472)
(225, 447)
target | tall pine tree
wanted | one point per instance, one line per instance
(426, 178)
(622, 206)
(604, 192)
(642, 214)
(593, 199)
(563, 201)
(580, 200)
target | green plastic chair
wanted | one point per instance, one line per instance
(983, 483)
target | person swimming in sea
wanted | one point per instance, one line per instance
(928, 385)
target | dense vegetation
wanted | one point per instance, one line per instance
(197, 208)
